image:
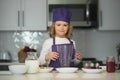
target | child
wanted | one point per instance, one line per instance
(59, 50)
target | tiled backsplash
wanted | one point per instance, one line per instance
(26, 38)
(13, 41)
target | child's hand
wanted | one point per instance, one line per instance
(78, 55)
(52, 56)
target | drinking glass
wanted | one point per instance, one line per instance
(110, 64)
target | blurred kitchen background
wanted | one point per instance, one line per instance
(93, 43)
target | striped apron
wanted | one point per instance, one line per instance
(66, 54)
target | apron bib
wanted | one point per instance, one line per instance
(66, 54)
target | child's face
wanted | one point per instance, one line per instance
(61, 28)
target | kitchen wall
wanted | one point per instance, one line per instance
(91, 43)
(100, 44)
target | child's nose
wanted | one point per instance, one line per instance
(62, 27)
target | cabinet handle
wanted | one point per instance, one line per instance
(18, 18)
(87, 11)
(23, 18)
(100, 19)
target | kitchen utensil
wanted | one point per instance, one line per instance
(5, 56)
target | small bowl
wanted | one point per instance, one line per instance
(17, 69)
(45, 69)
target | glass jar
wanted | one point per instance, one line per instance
(32, 62)
(110, 64)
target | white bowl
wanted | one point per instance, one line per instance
(17, 69)
(46, 69)
(66, 69)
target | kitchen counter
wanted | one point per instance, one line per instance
(80, 75)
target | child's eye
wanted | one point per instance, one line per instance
(65, 25)
(58, 24)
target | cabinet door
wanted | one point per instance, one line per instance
(34, 15)
(9, 14)
(109, 14)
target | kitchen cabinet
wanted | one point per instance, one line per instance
(23, 15)
(109, 15)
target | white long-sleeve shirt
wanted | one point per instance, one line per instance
(47, 47)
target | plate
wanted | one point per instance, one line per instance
(92, 70)
(47, 69)
(66, 69)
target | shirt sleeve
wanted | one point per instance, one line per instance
(74, 44)
(46, 48)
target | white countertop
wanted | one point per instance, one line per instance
(80, 75)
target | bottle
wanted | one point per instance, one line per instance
(32, 62)
(110, 64)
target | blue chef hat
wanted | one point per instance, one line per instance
(62, 14)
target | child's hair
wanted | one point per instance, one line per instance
(68, 34)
